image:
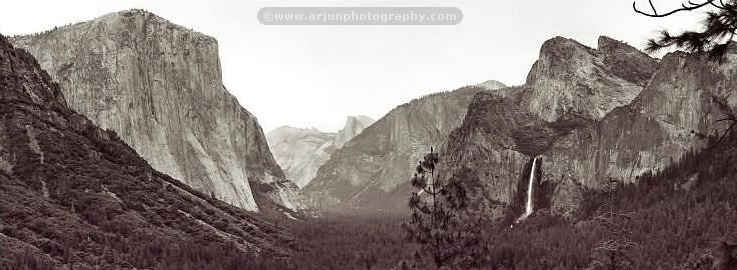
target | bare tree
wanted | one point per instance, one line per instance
(684, 7)
(613, 252)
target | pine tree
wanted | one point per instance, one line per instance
(720, 25)
(445, 224)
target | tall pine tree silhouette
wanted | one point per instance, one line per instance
(445, 224)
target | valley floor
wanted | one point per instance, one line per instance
(680, 219)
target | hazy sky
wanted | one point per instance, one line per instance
(314, 76)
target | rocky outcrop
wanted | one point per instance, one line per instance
(353, 126)
(74, 195)
(159, 86)
(372, 171)
(492, 85)
(572, 80)
(300, 152)
(568, 88)
(497, 141)
(608, 113)
(676, 113)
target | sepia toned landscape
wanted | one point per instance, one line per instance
(122, 148)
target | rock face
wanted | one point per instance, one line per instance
(353, 126)
(492, 85)
(300, 152)
(497, 141)
(569, 87)
(676, 113)
(591, 115)
(372, 171)
(75, 195)
(572, 80)
(159, 86)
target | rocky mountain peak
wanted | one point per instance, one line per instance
(289, 133)
(140, 19)
(363, 119)
(608, 44)
(560, 44)
(492, 85)
(134, 12)
(568, 87)
(593, 115)
(66, 181)
(301, 151)
(370, 172)
(627, 62)
(159, 86)
(571, 80)
(676, 113)
(353, 126)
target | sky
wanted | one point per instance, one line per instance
(316, 75)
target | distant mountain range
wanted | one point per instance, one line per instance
(372, 171)
(121, 148)
(589, 114)
(301, 151)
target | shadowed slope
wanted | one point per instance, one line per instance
(73, 194)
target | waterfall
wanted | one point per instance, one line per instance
(528, 205)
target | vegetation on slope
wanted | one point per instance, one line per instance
(681, 217)
(75, 196)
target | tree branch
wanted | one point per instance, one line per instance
(683, 8)
(723, 7)
(734, 121)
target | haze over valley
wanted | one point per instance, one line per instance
(123, 144)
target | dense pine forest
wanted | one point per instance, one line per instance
(680, 218)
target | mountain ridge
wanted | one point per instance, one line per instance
(673, 112)
(301, 151)
(573, 80)
(367, 174)
(76, 196)
(159, 85)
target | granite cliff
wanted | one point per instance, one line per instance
(676, 113)
(570, 86)
(592, 115)
(159, 86)
(354, 125)
(75, 196)
(571, 80)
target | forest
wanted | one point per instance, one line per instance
(680, 218)
(683, 217)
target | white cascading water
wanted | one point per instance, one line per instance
(528, 205)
